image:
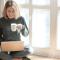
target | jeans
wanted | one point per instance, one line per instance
(5, 56)
(18, 54)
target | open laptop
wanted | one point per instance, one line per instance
(12, 46)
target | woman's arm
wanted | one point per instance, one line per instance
(25, 30)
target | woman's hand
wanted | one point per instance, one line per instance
(20, 26)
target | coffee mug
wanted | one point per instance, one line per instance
(13, 27)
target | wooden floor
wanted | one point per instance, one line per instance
(41, 58)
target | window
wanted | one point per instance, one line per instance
(58, 25)
(41, 28)
(58, 30)
(58, 3)
(22, 1)
(40, 2)
(40, 23)
(44, 23)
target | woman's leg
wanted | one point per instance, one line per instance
(21, 54)
(5, 56)
(18, 54)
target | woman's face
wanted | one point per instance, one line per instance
(10, 12)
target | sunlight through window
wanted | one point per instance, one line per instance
(58, 30)
(58, 3)
(40, 2)
(22, 1)
(40, 28)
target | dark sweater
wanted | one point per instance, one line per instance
(5, 29)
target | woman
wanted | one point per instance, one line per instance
(11, 15)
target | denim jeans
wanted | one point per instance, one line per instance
(18, 54)
(5, 56)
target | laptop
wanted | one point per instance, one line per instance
(12, 46)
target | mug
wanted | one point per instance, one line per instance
(13, 27)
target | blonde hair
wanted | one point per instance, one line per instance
(15, 7)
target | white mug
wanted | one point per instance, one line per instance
(13, 27)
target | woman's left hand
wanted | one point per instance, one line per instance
(20, 26)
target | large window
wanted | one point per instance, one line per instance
(41, 28)
(22, 1)
(58, 30)
(58, 3)
(43, 20)
(58, 25)
(40, 2)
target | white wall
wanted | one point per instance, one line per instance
(1, 6)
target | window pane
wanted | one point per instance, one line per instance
(22, 1)
(25, 13)
(58, 2)
(41, 28)
(40, 2)
(58, 30)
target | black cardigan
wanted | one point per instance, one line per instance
(5, 29)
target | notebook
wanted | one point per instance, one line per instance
(12, 46)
